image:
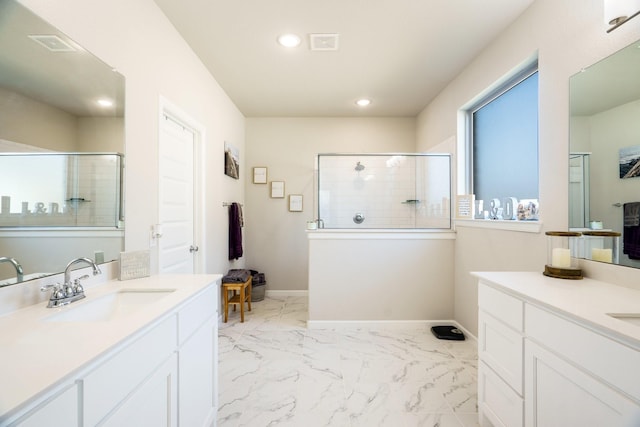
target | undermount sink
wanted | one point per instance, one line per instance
(632, 318)
(108, 307)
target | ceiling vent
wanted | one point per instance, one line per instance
(324, 41)
(53, 43)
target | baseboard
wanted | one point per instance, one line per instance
(384, 324)
(286, 293)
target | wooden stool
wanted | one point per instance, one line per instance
(236, 299)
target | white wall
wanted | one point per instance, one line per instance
(56, 129)
(567, 35)
(287, 147)
(104, 132)
(137, 39)
(380, 276)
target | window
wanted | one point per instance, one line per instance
(503, 140)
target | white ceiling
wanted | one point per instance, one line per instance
(399, 53)
(71, 81)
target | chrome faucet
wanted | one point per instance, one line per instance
(67, 292)
(16, 265)
(67, 272)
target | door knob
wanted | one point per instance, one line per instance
(193, 248)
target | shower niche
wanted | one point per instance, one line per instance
(384, 191)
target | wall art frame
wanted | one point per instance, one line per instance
(260, 175)
(277, 189)
(295, 202)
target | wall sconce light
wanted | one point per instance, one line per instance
(617, 12)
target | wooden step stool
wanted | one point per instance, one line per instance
(240, 298)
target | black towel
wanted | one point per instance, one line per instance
(631, 233)
(235, 231)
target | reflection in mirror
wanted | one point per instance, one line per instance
(55, 99)
(604, 147)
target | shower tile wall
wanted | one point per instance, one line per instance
(386, 192)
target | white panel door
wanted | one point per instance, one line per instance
(176, 246)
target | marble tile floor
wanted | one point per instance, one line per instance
(273, 371)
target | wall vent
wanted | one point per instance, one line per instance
(53, 43)
(324, 41)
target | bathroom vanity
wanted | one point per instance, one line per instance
(132, 353)
(557, 352)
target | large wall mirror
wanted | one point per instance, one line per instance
(61, 149)
(605, 147)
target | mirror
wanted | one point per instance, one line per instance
(59, 107)
(604, 145)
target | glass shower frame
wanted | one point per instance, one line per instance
(61, 189)
(383, 191)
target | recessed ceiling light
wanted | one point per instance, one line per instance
(363, 102)
(289, 40)
(105, 102)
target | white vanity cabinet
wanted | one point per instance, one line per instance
(500, 350)
(164, 374)
(545, 361)
(198, 361)
(577, 377)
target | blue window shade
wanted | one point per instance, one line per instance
(505, 144)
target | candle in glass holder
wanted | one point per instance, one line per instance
(561, 258)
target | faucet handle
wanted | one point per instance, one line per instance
(54, 286)
(77, 286)
(57, 290)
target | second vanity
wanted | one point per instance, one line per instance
(556, 352)
(137, 352)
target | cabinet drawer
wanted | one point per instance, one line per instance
(502, 306)
(112, 381)
(606, 359)
(502, 349)
(196, 312)
(59, 411)
(497, 401)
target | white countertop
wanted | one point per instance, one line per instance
(585, 300)
(35, 355)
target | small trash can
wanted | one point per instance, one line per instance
(258, 286)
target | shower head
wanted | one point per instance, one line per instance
(359, 167)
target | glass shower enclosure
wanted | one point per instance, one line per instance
(61, 189)
(383, 191)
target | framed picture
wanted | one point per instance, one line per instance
(630, 162)
(277, 189)
(465, 206)
(260, 175)
(231, 161)
(295, 202)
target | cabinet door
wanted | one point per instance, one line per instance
(61, 411)
(154, 403)
(561, 395)
(197, 369)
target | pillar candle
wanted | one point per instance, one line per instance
(560, 258)
(604, 255)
